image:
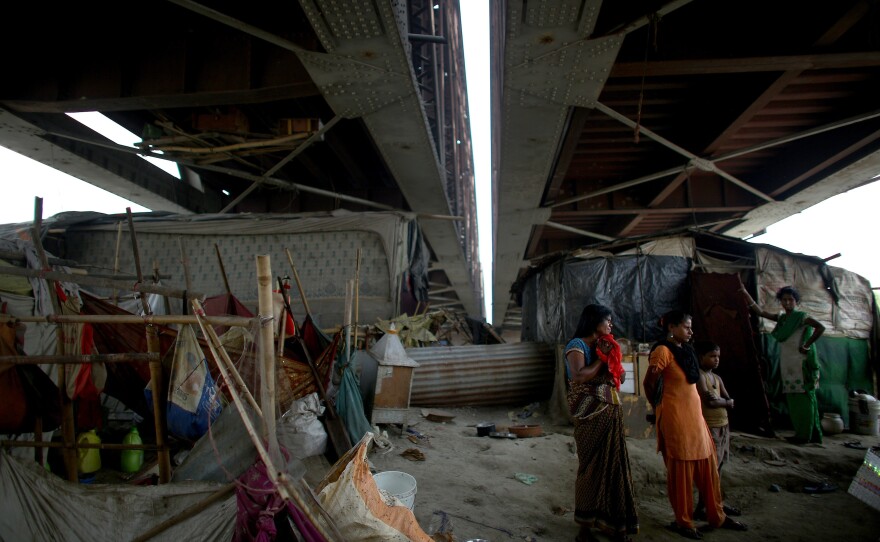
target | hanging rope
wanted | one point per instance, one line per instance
(652, 33)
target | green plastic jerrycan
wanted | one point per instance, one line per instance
(132, 460)
(89, 458)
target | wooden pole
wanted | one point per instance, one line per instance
(187, 513)
(68, 424)
(302, 293)
(357, 286)
(157, 384)
(161, 320)
(115, 295)
(70, 360)
(346, 318)
(86, 280)
(223, 271)
(184, 261)
(266, 350)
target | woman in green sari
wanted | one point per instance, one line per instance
(796, 332)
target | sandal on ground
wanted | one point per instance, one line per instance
(686, 532)
(731, 510)
(734, 525)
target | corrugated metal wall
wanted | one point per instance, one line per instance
(497, 374)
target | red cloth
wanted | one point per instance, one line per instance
(258, 504)
(613, 359)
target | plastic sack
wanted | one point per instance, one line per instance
(193, 402)
(299, 429)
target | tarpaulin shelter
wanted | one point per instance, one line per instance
(700, 273)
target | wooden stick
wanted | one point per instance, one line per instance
(223, 270)
(157, 384)
(70, 360)
(184, 261)
(346, 318)
(115, 295)
(187, 513)
(86, 280)
(302, 293)
(77, 445)
(287, 491)
(221, 358)
(267, 354)
(357, 286)
(68, 424)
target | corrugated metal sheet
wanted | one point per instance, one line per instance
(498, 374)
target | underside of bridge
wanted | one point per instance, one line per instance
(624, 119)
(610, 119)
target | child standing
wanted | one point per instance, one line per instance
(715, 402)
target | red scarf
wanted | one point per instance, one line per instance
(613, 358)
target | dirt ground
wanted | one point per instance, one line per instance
(467, 486)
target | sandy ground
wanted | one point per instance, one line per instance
(468, 489)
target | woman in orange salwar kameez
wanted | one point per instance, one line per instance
(682, 434)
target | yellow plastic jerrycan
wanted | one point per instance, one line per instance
(132, 460)
(89, 458)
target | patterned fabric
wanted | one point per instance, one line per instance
(582, 394)
(258, 503)
(604, 496)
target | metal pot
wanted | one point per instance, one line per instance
(484, 428)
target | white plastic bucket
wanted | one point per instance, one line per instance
(864, 415)
(399, 484)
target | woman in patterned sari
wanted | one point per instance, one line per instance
(604, 497)
(796, 332)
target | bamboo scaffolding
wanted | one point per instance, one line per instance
(267, 356)
(70, 360)
(286, 489)
(302, 294)
(87, 280)
(68, 425)
(115, 295)
(160, 319)
(157, 383)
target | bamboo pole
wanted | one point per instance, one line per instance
(100, 282)
(346, 318)
(161, 320)
(266, 350)
(223, 271)
(187, 513)
(357, 287)
(184, 261)
(78, 445)
(302, 293)
(71, 360)
(227, 369)
(68, 424)
(280, 480)
(115, 295)
(157, 384)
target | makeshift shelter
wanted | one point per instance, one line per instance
(701, 272)
(394, 256)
